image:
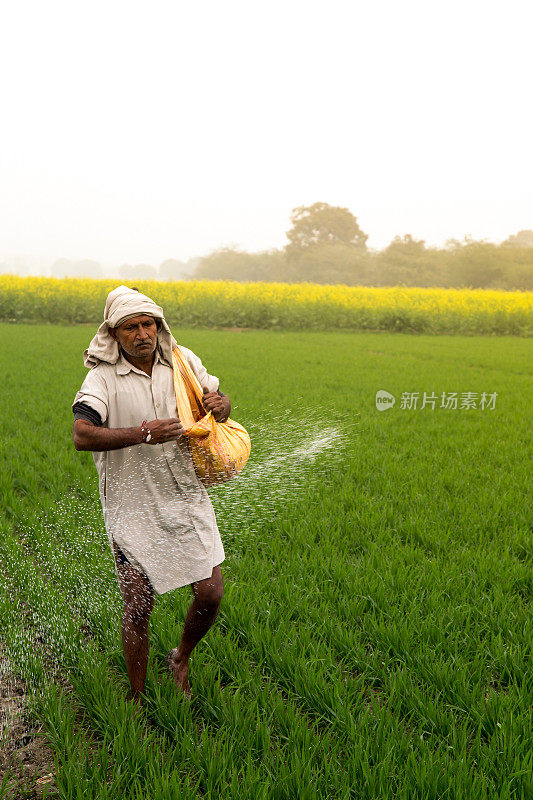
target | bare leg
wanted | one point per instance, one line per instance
(200, 616)
(138, 603)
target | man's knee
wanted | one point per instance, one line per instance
(210, 595)
(137, 609)
(138, 597)
(215, 598)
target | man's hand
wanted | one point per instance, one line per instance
(164, 430)
(219, 404)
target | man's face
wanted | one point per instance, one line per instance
(137, 336)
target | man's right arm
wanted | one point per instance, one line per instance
(88, 436)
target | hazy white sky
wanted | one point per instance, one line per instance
(142, 131)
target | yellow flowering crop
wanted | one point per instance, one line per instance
(278, 305)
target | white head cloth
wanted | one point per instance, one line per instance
(121, 304)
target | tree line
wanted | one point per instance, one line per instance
(326, 245)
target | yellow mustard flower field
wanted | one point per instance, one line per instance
(278, 305)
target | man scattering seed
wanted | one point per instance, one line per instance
(158, 516)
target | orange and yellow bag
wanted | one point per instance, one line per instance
(219, 450)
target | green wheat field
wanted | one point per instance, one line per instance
(374, 638)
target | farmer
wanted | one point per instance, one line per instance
(158, 516)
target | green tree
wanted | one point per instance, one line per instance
(172, 270)
(475, 264)
(520, 239)
(230, 263)
(137, 272)
(406, 260)
(322, 224)
(330, 264)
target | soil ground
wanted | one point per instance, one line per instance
(24, 757)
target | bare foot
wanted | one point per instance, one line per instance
(180, 669)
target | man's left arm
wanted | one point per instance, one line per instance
(213, 399)
(218, 403)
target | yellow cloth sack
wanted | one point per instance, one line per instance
(219, 450)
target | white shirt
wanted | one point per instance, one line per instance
(154, 506)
